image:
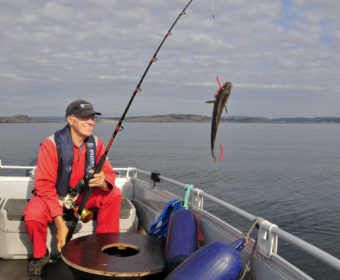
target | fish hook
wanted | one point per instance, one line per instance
(221, 155)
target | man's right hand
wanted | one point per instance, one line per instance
(62, 231)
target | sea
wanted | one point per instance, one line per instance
(287, 173)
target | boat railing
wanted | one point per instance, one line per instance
(30, 169)
(16, 166)
(269, 245)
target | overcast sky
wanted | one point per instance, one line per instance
(281, 56)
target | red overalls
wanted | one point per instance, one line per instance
(44, 206)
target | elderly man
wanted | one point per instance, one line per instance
(64, 159)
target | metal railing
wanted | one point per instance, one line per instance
(303, 245)
(15, 167)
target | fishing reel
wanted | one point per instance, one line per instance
(85, 216)
(69, 202)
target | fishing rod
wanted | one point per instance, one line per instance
(84, 182)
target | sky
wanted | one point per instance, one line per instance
(281, 56)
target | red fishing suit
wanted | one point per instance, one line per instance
(44, 206)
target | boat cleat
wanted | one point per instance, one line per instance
(267, 241)
(197, 200)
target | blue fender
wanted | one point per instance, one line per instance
(181, 241)
(214, 261)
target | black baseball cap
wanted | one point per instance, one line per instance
(80, 108)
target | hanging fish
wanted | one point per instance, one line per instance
(220, 102)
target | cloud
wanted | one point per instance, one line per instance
(100, 49)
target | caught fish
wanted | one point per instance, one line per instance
(220, 102)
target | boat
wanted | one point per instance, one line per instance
(145, 195)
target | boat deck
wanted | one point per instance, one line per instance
(16, 270)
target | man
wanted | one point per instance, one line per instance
(64, 158)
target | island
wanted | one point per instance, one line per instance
(176, 118)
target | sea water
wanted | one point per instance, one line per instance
(287, 173)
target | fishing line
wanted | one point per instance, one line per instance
(84, 183)
(214, 39)
(213, 9)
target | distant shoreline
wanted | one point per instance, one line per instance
(177, 118)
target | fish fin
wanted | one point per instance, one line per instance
(210, 101)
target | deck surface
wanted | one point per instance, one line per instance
(16, 270)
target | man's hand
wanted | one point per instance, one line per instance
(98, 180)
(62, 231)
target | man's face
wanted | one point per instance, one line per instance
(82, 126)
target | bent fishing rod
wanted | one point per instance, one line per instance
(83, 184)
